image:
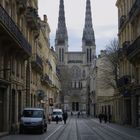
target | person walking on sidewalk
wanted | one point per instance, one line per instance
(105, 118)
(49, 118)
(100, 116)
(56, 119)
(65, 116)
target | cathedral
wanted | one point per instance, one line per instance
(75, 67)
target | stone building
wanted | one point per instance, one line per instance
(74, 66)
(15, 51)
(128, 98)
(104, 88)
(24, 53)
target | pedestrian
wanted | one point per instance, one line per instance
(71, 113)
(78, 114)
(100, 116)
(65, 116)
(105, 118)
(49, 118)
(109, 118)
(56, 119)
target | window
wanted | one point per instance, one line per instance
(17, 68)
(33, 113)
(76, 72)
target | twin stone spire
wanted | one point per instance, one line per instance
(88, 38)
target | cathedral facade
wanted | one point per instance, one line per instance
(75, 67)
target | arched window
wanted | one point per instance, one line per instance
(84, 74)
(76, 72)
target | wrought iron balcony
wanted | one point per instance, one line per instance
(37, 63)
(11, 30)
(120, 53)
(133, 50)
(32, 18)
(122, 20)
(57, 72)
(22, 5)
(124, 81)
(125, 46)
(45, 79)
(49, 63)
(134, 10)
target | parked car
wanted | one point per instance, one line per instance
(57, 112)
(33, 119)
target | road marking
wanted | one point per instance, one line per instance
(53, 132)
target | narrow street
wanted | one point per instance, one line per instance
(81, 129)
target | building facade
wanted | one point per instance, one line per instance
(24, 51)
(104, 85)
(74, 66)
(129, 54)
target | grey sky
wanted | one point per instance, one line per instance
(104, 17)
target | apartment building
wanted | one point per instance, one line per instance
(129, 56)
(25, 62)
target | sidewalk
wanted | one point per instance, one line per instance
(120, 128)
(3, 134)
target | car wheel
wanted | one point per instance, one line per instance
(45, 130)
(21, 130)
(42, 130)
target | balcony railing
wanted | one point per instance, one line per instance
(120, 53)
(125, 47)
(134, 10)
(22, 5)
(49, 63)
(45, 79)
(124, 81)
(32, 18)
(57, 71)
(14, 31)
(122, 20)
(134, 49)
(37, 62)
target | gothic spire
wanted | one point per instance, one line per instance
(88, 38)
(61, 32)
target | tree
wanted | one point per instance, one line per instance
(111, 69)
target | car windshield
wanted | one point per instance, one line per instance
(33, 113)
(57, 113)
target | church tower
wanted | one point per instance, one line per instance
(88, 39)
(61, 39)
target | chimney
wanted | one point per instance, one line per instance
(45, 18)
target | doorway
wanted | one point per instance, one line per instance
(75, 106)
(128, 111)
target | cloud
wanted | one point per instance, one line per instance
(105, 31)
(104, 15)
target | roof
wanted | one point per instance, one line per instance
(33, 108)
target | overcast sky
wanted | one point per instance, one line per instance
(104, 18)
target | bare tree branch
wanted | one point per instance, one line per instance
(111, 70)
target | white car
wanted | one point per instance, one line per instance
(57, 112)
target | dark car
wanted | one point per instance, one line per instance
(33, 119)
